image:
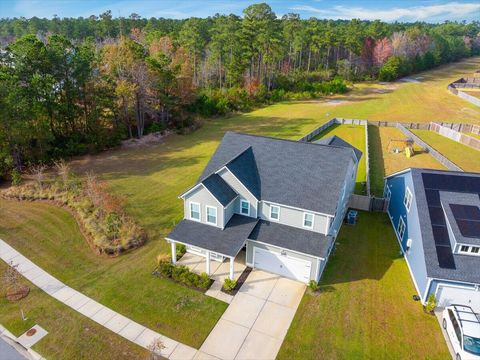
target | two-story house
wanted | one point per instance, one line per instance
(281, 201)
(436, 217)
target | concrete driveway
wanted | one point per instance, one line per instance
(257, 320)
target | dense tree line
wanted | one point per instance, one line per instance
(74, 85)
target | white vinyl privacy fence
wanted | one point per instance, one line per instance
(456, 135)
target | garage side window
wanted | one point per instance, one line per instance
(401, 228)
(407, 200)
(195, 211)
(274, 212)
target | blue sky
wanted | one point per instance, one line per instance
(386, 10)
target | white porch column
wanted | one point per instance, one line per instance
(174, 252)
(208, 263)
(231, 268)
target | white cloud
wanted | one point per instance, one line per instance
(448, 11)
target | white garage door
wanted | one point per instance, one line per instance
(447, 295)
(282, 264)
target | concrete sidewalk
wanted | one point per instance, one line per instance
(104, 316)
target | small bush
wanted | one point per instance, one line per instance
(229, 285)
(181, 250)
(182, 274)
(16, 177)
(431, 303)
(313, 285)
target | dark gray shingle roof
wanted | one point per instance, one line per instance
(465, 267)
(292, 238)
(228, 241)
(220, 189)
(304, 175)
(245, 169)
(338, 141)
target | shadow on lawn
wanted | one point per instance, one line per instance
(366, 250)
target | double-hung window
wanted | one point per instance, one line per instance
(195, 211)
(211, 215)
(407, 200)
(245, 207)
(274, 212)
(401, 228)
(308, 220)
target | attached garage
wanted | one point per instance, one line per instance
(282, 264)
(450, 294)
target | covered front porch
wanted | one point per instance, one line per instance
(219, 271)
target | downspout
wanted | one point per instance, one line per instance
(424, 297)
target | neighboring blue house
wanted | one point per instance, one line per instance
(436, 217)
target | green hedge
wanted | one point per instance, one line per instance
(183, 275)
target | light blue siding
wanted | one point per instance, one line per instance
(396, 209)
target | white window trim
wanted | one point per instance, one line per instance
(190, 211)
(469, 250)
(408, 199)
(206, 215)
(270, 215)
(243, 201)
(398, 227)
(313, 220)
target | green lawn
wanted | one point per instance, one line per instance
(149, 179)
(462, 155)
(70, 334)
(354, 135)
(50, 236)
(473, 93)
(365, 308)
(383, 161)
(473, 135)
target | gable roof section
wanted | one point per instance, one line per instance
(338, 141)
(441, 262)
(219, 189)
(303, 175)
(245, 170)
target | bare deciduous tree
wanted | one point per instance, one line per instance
(155, 349)
(38, 173)
(63, 170)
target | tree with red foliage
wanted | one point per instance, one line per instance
(382, 51)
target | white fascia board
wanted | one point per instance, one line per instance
(279, 247)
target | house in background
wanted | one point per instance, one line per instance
(280, 201)
(436, 217)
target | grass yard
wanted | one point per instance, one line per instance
(383, 161)
(354, 135)
(472, 93)
(149, 179)
(462, 155)
(473, 135)
(70, 334)
(365, 308)
(50, 236)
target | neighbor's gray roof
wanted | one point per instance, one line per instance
(292, 238)
(220, 189)
(338, 141)
(465, 266)
(228, 241)
(304, 175)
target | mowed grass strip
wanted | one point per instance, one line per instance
(70, 334)
(462, 155)
(384, 161)
(355, 136)
(365, 308)
(50, 237)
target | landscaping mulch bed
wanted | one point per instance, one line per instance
(17, 294)
(240, 282)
